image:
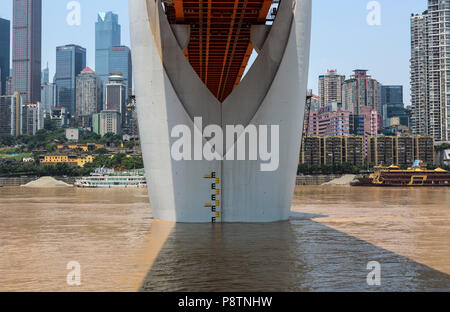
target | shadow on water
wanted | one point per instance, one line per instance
(298, 255)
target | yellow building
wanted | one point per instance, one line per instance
(73, 160)
(81, 147)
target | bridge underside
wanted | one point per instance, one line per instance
(219, 47)
(191, 56)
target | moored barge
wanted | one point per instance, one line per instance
(417, 175)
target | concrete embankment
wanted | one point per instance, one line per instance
(18, 181)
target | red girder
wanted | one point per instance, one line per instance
(219, 47)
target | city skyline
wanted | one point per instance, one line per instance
(383, 50)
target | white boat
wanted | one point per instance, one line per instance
(112, 180)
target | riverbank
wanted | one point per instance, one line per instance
(18, 181)
(302, 180)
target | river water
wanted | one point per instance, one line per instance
(333, 234)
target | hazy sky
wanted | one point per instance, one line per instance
(341, 37)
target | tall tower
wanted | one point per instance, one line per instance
(26, 53)
(107, 35)
(330, 88)
(361, 90)
(5, 44)
(70, 61)
(115, 90)
(392, 105)
(120, 62)
(89, 96)
(430, 72)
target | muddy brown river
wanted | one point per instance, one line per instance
(333, 234)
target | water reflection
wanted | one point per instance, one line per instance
(299, 255)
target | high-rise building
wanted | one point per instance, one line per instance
(396, 150)
(361, 90)
(332, 150)
(107, 35)
(120, 62)
(330, 88)
(330, 120)
(430, 73)
(5, 44)
(32, 118)
(89, 96)
(107, 121)
(26, 51)
(45, 75)
(11, 115)
(8, 86)
(48, 96)
(70, 61)
(115, 97)
(392, 105)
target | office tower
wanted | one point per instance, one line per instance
(107, 121)
(45, 76)
(115, 94)
(361, 90)
(89, 96)
(32, 118)
(107, 35)
(26, 52)
(11, 115)
(430, 73)
(8, 90)
(5, 44)
(120, 62)
(70, 61)
(392, 105)
(330, 88)
(48, 96)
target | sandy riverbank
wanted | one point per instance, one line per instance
(344, 180)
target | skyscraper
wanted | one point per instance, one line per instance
(120, 62)
(45, 75)
(48, 96)
(26, 52)
(430, 73)
(392, 105)
(107, 35)
(5, 44)
(330, 88)
(11, 115)
(89, 96)
(361, 90)
(115, 93)
(32, 118)
(70, 61)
